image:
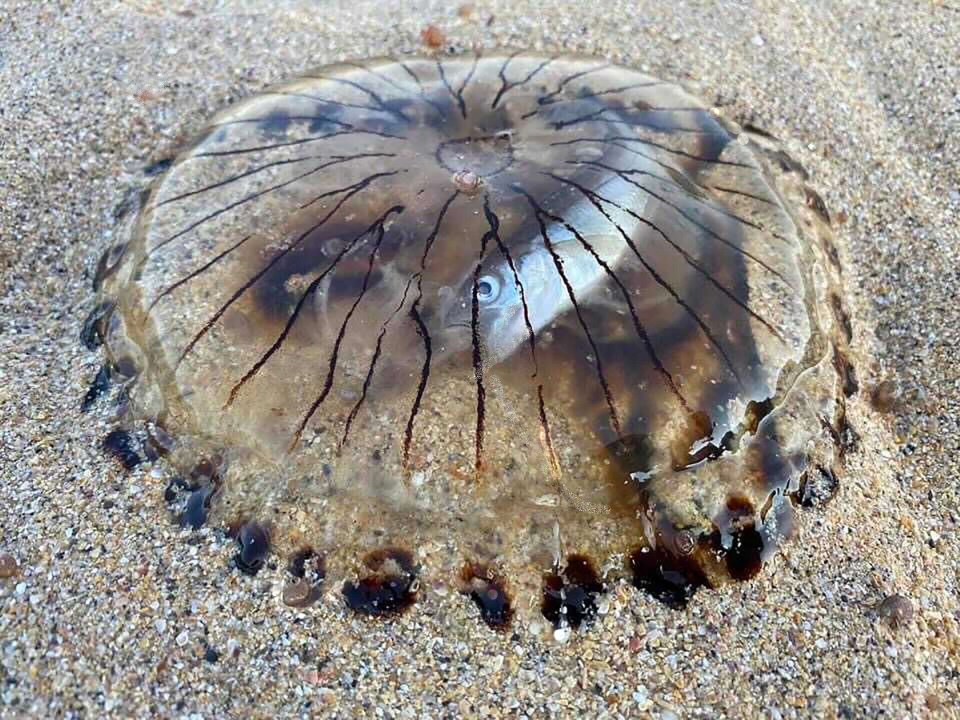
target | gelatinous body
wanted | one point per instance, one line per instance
(494, 309)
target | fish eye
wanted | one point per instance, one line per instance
(488, 288)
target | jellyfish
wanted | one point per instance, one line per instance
(509, 311)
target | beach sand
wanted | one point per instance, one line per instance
(112, 611)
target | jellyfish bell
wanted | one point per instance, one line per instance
(492, 310)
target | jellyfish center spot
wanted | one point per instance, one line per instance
(471, 159)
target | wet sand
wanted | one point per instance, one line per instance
(113, 611)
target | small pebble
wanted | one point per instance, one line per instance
(884, 396)
(896, 610)
(298, 593)
(8, 566)
(432, 37)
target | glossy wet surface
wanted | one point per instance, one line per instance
(513, 305)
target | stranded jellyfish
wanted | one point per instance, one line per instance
(523, 313)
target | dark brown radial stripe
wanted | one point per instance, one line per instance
(457, 98)
(383, 78)
(545, 99)
(595, 117)
(744, 193)
(292, 117)
(232, 206)
(494, 223)
(371, 367)
(477, 353)
(507, 86)
(422, 331)
(332, 160)
(431, 101)
(558, 263)
(353, 190)
(378, 100)
(597, 200)
(463, 86)
(350, 130)
(637, 324)
(680, 152)
(693, 221)
(334, 354)
(700, 269)
(600, 93)
(705, 188)
(195, 273)
(377, 227)
(501, 73)
(225, 209)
